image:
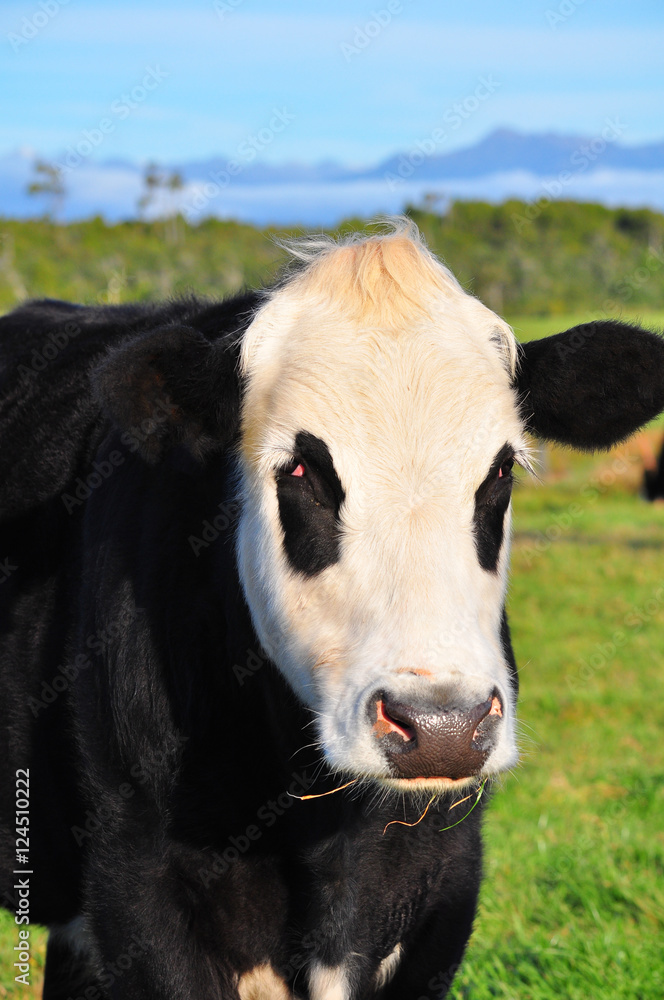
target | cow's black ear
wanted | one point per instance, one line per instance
(171, 386)
(593, 385)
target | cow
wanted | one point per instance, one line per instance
(257, 677)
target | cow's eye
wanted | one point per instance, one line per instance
(505, 468)
(294, 468)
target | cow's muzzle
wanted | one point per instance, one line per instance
(428, 740)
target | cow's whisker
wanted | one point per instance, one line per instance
(307, 746)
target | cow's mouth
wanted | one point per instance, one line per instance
(429, 783)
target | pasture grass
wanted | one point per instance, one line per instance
(534, 327)
(572, 905)
(8, 940)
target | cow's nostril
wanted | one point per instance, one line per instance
(390, 721)
(496, 705)
(491, 707)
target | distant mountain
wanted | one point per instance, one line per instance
(502, 151)
(542, 155)
(506, 163)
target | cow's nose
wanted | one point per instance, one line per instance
(434, 741)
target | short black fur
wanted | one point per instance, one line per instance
(492, 498)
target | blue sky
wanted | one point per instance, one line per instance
(349, 88)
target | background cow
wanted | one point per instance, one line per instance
(259, 550)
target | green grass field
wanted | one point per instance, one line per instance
(572, 906)
(534, 327)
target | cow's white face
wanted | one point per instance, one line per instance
(380, 425)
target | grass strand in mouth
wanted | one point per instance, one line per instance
(477, 799)
(402, 822)
(320, 795)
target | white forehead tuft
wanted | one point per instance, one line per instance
(389, 282)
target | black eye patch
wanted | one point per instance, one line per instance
(492, 499)
(310, 495)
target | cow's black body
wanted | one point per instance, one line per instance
(159, 776)
(165, 755)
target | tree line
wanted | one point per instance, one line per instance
(520, 258)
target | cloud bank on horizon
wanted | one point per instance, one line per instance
(506, 164)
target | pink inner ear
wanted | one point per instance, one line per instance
(298, 470)
(500, 472)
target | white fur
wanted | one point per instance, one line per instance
(388, 967)
(414, 402)
(263, 983)
(326, 983)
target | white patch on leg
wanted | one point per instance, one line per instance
(262, 983)
(328, 983)
(388, 967)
